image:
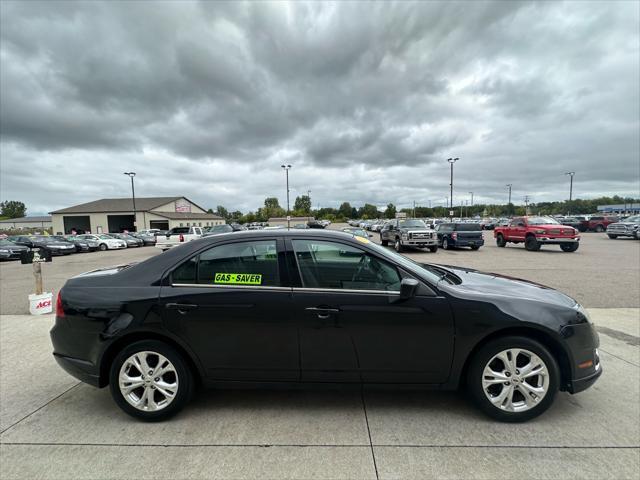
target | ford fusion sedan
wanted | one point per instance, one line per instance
(256, 308)
(105, 242)
(10, 250)
(55, 246)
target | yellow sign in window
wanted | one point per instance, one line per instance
(238, 278)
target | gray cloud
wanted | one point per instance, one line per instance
(366, 99)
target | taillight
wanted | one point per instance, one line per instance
(181, 238)
(59, 309)
(454, 235)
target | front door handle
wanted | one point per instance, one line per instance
(323, 313)
(181, 307)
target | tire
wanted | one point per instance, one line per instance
(569, 247)
(433, 249)
(531, 244)
(178, 380)
(383, 242)
(398, 245)
(500, 241)
(600, 228)
(512, 407)
(445, 243)
(636, 235)
(475, 247)
(103, 247)
(611, 236)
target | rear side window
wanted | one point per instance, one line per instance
(244, 263)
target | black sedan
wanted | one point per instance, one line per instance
(316, 306)
(56, 247)
(10, 250)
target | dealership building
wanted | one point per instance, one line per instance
(117, 215)
(43, 222)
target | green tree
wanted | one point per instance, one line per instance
(390, 212)
(346, 210)
(12, 209)
(303, 204)
(223, 212)
(368, 211)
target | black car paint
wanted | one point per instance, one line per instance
(462, 238)
(266, 335)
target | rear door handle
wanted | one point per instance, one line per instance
(181, 307)
(323, 313)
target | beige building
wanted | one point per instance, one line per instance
(116, 215)
(43, 223)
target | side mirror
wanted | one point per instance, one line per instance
(408, 288)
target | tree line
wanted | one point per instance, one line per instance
(302, 208)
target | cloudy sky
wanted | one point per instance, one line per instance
(365, 100)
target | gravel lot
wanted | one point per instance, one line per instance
(52, 426)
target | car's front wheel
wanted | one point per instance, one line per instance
(612, 236)
(569, 247)
(600, 228)
(150, 380)
(513, 379)
(383, 242)
(398, 245)
(433, 249)
(531, 244)
(103, 247)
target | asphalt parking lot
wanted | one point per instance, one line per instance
(54, 427)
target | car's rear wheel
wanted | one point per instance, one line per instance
(150, 380)
(513, 379)
(611, 236)
(500, 241)
(398, 245)
(103, 247)
(569, 247)
(531, 244)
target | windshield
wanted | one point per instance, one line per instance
(105, 237)
(405, 262)
(542, 221)
(7, 243)
(413, 223)
(47, 240)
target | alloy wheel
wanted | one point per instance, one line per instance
(515, 380)
(148, 381)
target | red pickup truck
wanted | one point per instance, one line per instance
(537, 231)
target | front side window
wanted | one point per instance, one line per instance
(332, 265)
(244, 263)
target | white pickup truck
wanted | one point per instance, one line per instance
(177, 236)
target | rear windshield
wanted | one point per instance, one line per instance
(468, 227)
(180, 230)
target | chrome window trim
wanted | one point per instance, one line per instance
(240, 287)
(345, 290)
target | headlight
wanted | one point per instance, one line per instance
(540, 231)
(582, 316)
(2, 250)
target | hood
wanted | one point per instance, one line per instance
(494, 284)
(626, 224)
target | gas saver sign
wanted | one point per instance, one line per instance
(238, 278)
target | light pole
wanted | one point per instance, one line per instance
(286, 169)
(509, 185)
(133, 197)
(451, 162)
(526, 204)
(471, 201)
(571, 174)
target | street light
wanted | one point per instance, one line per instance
(133, 196)
(571, 174)
(451, 162)
(471, 199)
(286, 169)
(509, 202)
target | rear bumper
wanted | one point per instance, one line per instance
(80, 369)
(469, 243)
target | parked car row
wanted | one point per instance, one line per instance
(12, 247)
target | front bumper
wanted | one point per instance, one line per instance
(581, 384)
(557, 240)
(10, 255)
